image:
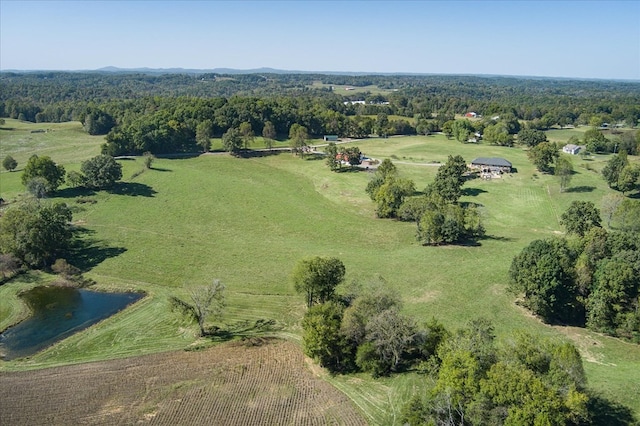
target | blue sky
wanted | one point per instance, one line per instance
(583, 39)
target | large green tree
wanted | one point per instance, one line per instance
(203, 134)
(564, 171)
(531, 137)
(317, 277)
(9, 163)
(269, 134)
(543, 156)
(449, 179)
(101, 171)
(298, 136)
(543, 274)
(35, 232)
(614, 167)
(580, 217)
(232, 141)
(43, 167)
(322, 339)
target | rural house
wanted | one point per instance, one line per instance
(491, 165)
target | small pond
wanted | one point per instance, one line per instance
(57, 313)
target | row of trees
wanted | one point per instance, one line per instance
(475, 381)
(42, 176)
(592, 278)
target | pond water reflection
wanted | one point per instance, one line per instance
(57, 313)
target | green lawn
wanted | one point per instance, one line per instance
(248, 221)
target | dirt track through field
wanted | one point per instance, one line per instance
(232, 384)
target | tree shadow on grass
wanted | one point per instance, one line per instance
(244, 329)
(86, 253)
(473, 192)
(580, 189)
(73, 192)
(133, 189)
(604, 412)
(249, 153)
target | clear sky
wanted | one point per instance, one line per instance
(584, 39)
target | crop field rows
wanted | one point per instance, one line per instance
(232, 384)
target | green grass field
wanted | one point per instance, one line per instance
(248, 221)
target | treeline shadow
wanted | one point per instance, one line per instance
(604, 412)
(243, 329)
(86, 252)
(249, 153)
(473, 192)
(73, 192)
(580, 189)
(132, 189)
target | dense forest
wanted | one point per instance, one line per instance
(160, 113)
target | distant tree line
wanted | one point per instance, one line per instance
(162, 113)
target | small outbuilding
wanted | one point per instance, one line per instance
(491, 165)
(571, 149)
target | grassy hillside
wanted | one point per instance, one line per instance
(248, 221)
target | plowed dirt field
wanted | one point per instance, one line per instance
(268, 383)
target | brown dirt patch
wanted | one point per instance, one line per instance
(230, 384)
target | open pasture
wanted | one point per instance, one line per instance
(247, 221)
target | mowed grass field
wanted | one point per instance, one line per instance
(247, 221)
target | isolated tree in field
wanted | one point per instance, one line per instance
(317, 277)
(203, 303)
(45, 168)
(247, 134)
(532, 137)
(9, 163)
(580, 217)
(232, 141)
(148, 159)
(332, 156)
(564, 171)
(322, 338)
(298, 136)
(36, 233)
(614, 167)
(203, 134)
(543, 156)
(101, 171)
(269, 134)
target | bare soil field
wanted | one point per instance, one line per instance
(266, 382)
